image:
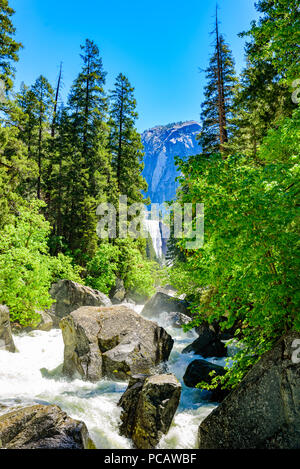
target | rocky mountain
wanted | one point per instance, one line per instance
(162, 144)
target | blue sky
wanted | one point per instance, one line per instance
(159, 45)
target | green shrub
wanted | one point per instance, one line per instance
(26, 268)
(102, 268)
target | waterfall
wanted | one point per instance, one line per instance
(158, 231)
(153, 228)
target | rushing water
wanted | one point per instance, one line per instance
(34, 376)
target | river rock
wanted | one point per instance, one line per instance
(70, 296)
(112, 342)
(208, 343)
(198, 371)
(6, 339)
(42, 427)
(149, 405)
(162, 302)
(178, 319)
(118, 293)
(46, 322)
(263, 412)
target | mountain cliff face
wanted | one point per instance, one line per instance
(162, 144)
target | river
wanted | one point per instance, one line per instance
(33, 375)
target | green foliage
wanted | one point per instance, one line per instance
(24, 272)
(274, 38)
(15, 167)
(125, 260)
(103, 267)
(264, 94)
(138, 273)
(63, 267)
(250, 259)
(26, 269)
(8, 46)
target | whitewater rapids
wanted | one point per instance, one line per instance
(33, 375)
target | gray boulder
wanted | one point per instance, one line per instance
(6, 339)
(263, 412)
(163, 302)
(199, 371)
(178, 319)
(149, 405)
(70, 296)
(46, 322)
(208, 343)
(42, 427)
(112, 342)
(118, 293)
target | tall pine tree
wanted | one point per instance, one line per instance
(218, 97)
(88, 107)
(125, 142)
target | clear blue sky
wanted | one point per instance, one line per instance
(159, 45)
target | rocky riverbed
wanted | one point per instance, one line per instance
(34, 376)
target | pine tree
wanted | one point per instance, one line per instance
(264, 95)
(81, 161)
(88, 106)
(27, 101)
(274, 38)
(37, 104)
(8, 46)
(52, 147)
(218, 97)
(125, 142)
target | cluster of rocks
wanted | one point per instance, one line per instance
(106, 340)
(101, 340)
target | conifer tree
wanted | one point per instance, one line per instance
(88, 106)
(8, 46)
(125, 142)
(27, 101)
(40, 103)
(81, 164)
(264, 95)
(218, 97)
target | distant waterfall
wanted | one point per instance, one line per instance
(154, 230)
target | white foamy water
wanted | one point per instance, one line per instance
(33, 375)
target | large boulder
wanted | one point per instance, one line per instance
(263, 412)
(149, 405)
(70, 296)
(112, 342)
(6, 340)
(200, 371)
(163, 302)
(208, 343)
(42, 427)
